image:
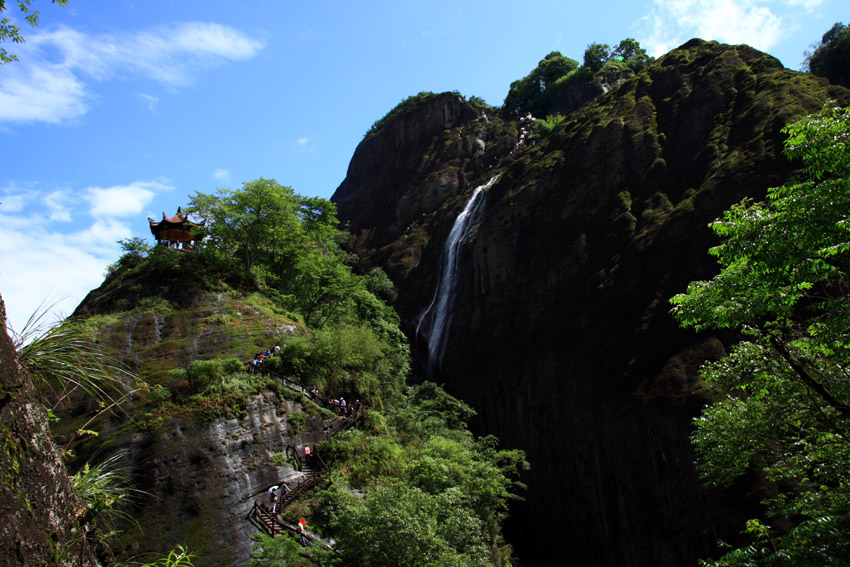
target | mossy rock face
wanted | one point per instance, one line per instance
(199, 455)
(561, 338)
(38, 506)
(200, 478)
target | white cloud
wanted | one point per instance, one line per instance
(808, 5)
(672, 22)
(59, 204)
(222, 175)
(123, 200)
(37, 265)
(40, 265)
(150, 101)
(170, 54)
(12, 202)
(44, 93)
(47, 83)
(305, 145)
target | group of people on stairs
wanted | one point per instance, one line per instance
(257, 361)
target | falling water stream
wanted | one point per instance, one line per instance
(437, 317)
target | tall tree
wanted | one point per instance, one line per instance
(831, 58)
(258, 220)
(529, 93)
(783, 395)
(596, 55)
(630, 52)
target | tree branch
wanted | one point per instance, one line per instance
(807, 378)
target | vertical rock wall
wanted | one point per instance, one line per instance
(37, 503)
(561, 337)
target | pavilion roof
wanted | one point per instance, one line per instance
(179, 222)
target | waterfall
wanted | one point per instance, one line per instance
(439, 312)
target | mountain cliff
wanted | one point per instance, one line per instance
(559, 334)
(42, 515)
(197, 464)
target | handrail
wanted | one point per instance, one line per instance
(259, 515)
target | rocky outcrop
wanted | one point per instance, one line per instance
(196, 469)
(561, 337)
(37, 503)
(197, 481)
(428, 153)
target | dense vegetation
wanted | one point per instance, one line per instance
(439, 492)
(783, 395)
(537, 91)
(831, 57)
(434, 495)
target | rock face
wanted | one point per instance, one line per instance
(198, 481)
(561, 337)
(37, 503)
(196, 476)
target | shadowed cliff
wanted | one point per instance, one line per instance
(41, 514)
(561, 337)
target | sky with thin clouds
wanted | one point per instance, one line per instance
(121, 110)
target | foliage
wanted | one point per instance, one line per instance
(595, 55)
(434, 494)
(784, 406)
(178, 557)
(632, 54)
(529, 94)
(323, 288)
(379, 284)
(628, 51)
(203, 373)
(282, 550)
(260, 219)
(102, 493)
(831, 57)
(400, 525)
(350, 360)
(428, 410)
(135, 251)
(296, 422)
(135, 246)
(544, 126)
(216, 387)
(11, 32)
(537, 92)
(397, 109)
(63, 359)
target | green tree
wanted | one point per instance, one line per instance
(529, 94)
(284, 550)
(434, 495)
(783, 404)
(11, 32)
(259, 221)
(831, 57)
(323, 287)
(596, 55)
(402, 525)
(630, 52)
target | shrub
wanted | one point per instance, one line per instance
(396, 110)
(545, 126)
(296, 422)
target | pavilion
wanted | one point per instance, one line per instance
(177, 231)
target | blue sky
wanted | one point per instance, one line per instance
(120, 109)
